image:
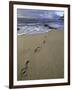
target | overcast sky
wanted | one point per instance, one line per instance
(32, 13)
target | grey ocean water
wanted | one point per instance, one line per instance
(41, 26)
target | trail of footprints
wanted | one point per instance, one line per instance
(24, 69)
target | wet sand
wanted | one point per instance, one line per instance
(40, 56)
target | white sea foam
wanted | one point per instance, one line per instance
(32, 29)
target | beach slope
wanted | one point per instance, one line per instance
(40, 56)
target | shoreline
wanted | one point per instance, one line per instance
(37, 32)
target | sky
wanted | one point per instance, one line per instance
(32, 13)
(60, 13)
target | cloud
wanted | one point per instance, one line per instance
(42, 14)
(60, 13)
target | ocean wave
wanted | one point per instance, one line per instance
(33, 28)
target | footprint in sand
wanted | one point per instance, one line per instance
(44, 41)
(25, 69)
(37, 49)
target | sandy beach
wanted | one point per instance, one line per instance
(40, 56)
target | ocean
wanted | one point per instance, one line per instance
(38, 26)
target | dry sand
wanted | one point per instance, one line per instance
(40, 56)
